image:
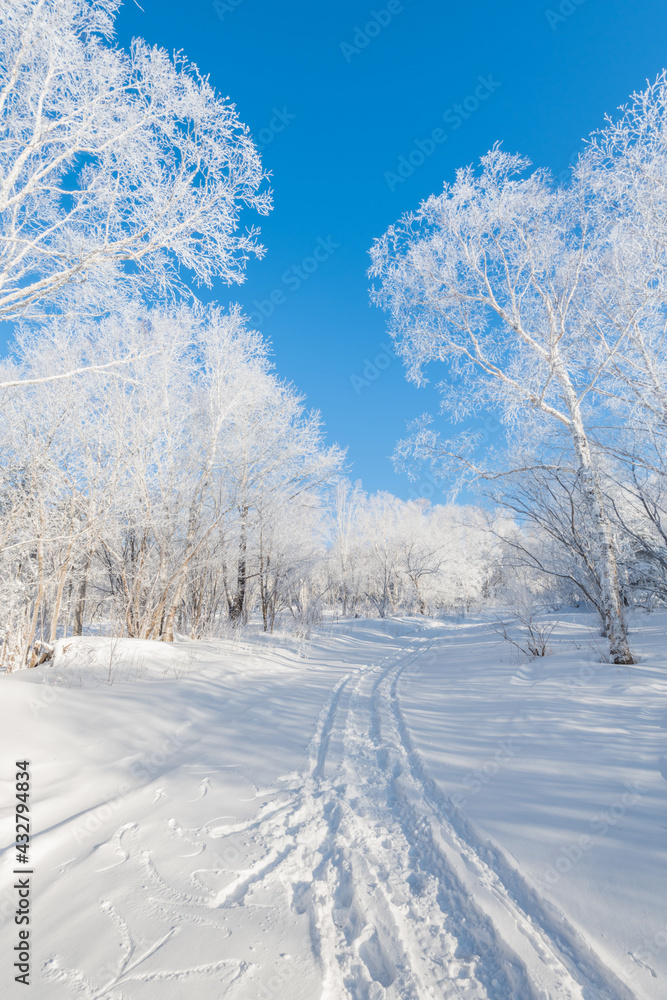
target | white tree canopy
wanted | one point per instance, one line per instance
(499, 277)
(112, 163)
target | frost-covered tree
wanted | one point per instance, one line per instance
(157, 497)
(622, 173)
(390, 556)
(274, 454)
(113, 164)
(346, 501)
(290, 556)
(555, 543)
(496, 278)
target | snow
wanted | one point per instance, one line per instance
(402, 808)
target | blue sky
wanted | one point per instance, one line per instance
(336, 108)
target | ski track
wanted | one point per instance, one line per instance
(403, 898)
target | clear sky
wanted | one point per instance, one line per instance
(335, 109)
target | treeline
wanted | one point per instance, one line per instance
(177, 484)
(131, 491)
(172, 483)
(548, 305)
(157, 476)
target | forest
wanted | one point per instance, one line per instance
(158, 477)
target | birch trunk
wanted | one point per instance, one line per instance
(236, 610)
(604, 550)
(80, 607)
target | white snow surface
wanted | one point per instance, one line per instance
(393, 809)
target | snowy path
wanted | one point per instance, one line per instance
(402, 899)
(402, 903)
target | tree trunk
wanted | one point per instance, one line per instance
(263, 580)
(80, 606)
(236, 610)
(29, 656)
(62, 576)
(604, 551)
(167, 625)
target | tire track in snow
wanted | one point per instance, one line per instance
(388, 918)
(404, 900)
(502, 890)
(358, 928)
(448, 948)
(376, 924)
(320, 743)
(505, 954)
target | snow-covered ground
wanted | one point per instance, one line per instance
(394, 809)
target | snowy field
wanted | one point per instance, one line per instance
(391, 809)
